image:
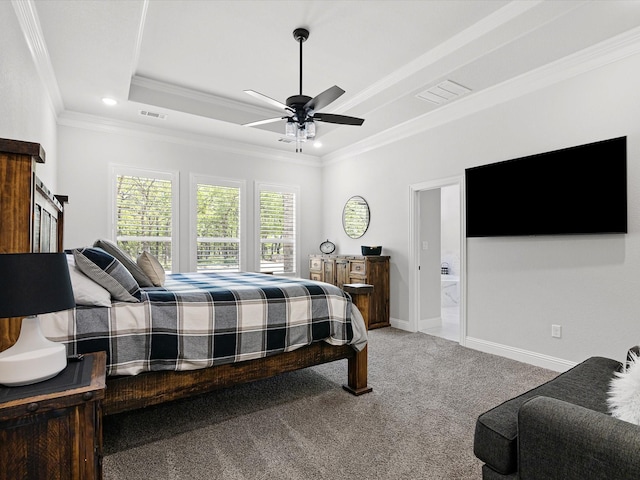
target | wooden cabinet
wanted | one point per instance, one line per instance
(371, 269)
(53, 429)
(32, 218)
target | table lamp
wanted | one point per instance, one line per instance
(33, 283)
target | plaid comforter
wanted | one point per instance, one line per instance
(198, 320)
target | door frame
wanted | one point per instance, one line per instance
(414, 251)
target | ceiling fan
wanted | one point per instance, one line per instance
(301, 111)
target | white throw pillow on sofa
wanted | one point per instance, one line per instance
(624, 392)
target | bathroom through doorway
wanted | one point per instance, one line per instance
(438, 259)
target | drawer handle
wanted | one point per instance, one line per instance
(32, 407)
(87, 395)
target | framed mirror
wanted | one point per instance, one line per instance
(355, 217)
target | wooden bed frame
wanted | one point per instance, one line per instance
(18, 202)
(132, 392)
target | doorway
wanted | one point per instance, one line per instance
(436, 289)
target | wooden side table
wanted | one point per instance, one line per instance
(53, 429)
(361, 296)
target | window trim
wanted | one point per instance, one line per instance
(274, 187)
(171, 175)
(194, 180)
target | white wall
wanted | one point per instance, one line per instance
(450, 227)
(27, 113)
(517, 287)
(430, 259)
(86, 156)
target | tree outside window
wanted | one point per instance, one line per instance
(144, 217)
(277, 230)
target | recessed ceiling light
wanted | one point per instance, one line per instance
(317, 144)
(109, 101)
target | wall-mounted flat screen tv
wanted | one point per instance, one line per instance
(576, 190)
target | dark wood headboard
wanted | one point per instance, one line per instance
(31, 217)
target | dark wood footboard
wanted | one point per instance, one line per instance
(146, 389)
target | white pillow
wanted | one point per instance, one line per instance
(152, 268)
(86, 291)
(624, 392)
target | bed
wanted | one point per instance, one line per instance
(142, 383)
(201, 331)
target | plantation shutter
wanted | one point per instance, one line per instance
(218, 228)
(277, 230)
(144, 216)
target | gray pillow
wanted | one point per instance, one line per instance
(124, 258)
(107, 271)
(152, 267)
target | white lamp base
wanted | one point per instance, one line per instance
(33, 358)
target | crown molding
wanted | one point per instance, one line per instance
(602, 54)
(198, 96)
(500, 17)
(30, 26)
(130, 129)
(139, 37)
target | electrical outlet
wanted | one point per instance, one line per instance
(556, 331)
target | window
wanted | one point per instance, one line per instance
(216, 221)
(144, 218)
(278, 228)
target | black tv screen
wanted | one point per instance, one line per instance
(576, 190)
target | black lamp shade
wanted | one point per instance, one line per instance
(33, 283)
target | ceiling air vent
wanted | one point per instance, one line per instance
(443, 92)
(146, 113)
(285, 140)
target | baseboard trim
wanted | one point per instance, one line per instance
(429, 323)
(526, 356)
(400, 324)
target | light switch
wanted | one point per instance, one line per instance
(425, 245)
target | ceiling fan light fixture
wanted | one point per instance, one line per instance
(301, 134)
(301, 111)
(310, 128)
(290, 128)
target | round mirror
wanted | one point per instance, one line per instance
(355, 217)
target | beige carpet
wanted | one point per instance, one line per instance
(416, 424)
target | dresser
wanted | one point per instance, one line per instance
(371, 269)
(53, 429)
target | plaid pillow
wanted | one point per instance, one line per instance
(107, 271)
(123, 257)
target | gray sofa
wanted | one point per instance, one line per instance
(560, 430)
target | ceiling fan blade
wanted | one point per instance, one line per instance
(341, 119)
(269, 100)
(325, 98)
(262, 122)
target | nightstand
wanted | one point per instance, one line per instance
(361, 296)
(53, 429)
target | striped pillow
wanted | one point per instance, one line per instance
(123, 257)
(107, 271)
